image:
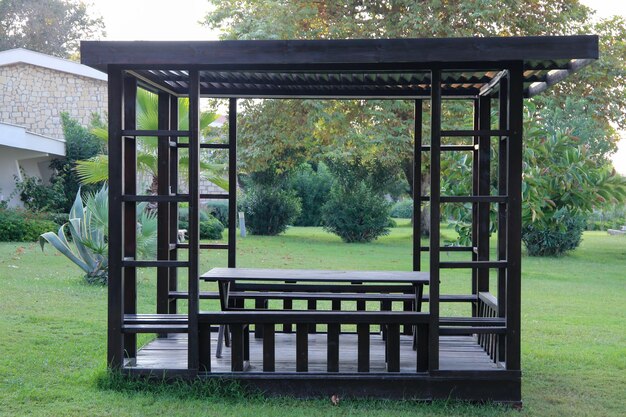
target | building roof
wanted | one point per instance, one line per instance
(354, 68)
(26, 56)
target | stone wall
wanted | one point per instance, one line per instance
(34, 97)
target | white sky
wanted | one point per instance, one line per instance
(179, 20)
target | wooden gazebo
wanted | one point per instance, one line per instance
(395, 343)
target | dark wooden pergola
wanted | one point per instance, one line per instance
(399, 349)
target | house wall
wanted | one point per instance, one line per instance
(34, 97)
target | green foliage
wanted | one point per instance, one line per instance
(219, 210)
(356, 213)
(53, 26)
(402, 209)
(94, 170)
(38, 196)
(312, 186)
(554, 236)
(269, 208)
(17, 225)
(211, 229)
(88, 227)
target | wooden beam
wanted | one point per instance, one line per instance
(316, 53)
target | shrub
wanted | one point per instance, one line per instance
(313, 188)
(269, 209)
(211, 229)
(403, 209)
(219, 210)
(22, 226)
(356, 214)
(555, 236)
(38, 196)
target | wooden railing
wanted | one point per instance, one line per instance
(240, 321)
(488, 307)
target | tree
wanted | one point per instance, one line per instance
(598, 84)
(53, 27)
(95, 170)
(276, 19)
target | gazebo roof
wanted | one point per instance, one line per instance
(360, 68)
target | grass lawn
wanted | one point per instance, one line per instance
(53, 333)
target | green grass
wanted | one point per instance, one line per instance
(53, 334)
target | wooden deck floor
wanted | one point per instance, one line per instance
(456, 353)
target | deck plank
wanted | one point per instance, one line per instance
(456, 353)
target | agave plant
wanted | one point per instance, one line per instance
(88, 226)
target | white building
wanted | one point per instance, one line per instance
(34, 90)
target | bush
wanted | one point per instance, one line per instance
(38, 196)
(269, 209)
(21, 226)
(313, 188)
(554, 236)
(211, 229)
(403, 209)
(356, 214)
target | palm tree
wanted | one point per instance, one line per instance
(95, 170)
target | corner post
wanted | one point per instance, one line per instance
(502, 207)
(115, 316)
(514, 216)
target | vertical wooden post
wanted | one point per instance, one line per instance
(269, 347)
(514, 216)
(174, 205)
(475, 219)
(115, 317)
(194, 212)
(232, 183)
(332, 353)
(502, 207)
(435, 201)
(163, 217)
(302, 347)
(363, 347)
(417, 187)
(484, 184)
(130, 208)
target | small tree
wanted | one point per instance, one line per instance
(269, 208)
(356, 213)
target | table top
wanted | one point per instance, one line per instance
(315, 275)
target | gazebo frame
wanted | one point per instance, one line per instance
(476, 69)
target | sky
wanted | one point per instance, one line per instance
(179, 20)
